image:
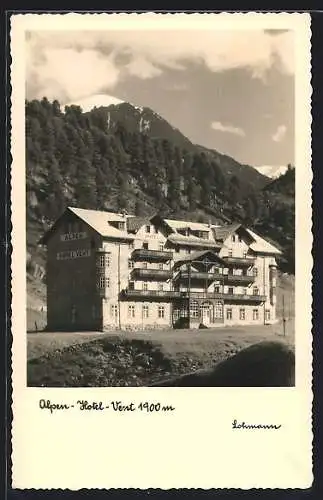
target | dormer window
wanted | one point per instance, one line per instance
(148, 229)
(118, 225)
(145, 246)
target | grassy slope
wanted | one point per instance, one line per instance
(134, 359)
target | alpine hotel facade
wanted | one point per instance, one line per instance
(116, 271)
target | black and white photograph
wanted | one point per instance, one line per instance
(160, 181)
(165, 205)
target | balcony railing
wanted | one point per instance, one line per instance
(178, 294)
(153, 274)
(223, 278)
(242, 279)
(152, 255)
(228, 297)
(239, 261)
(197, 275)
(157, 294)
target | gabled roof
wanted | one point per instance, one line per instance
(98, 220)
(178, 239)
(221, 233)
(198, 256)
(262, 246)
(135, 223)
(181, 224)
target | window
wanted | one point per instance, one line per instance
(242, 314)
(145, 286)
(230, 291)
(114, 311)
(245, 254)
(107, 261)
(144, 265)
(255, 290)
(187, 250)
(107, 282)
(267, 314)
(245, 291)
(255, 314)
(161, 247)
(148, 229)
(255, 271)
(131, 264)
(131, 285)
(229, 313)
(233, 237)
(194, 308)
(102, 260)
(161, 312)
(121, 225)
(216, 289)
(161, 266)
(218, 310)
(145, 312)
(230, 252)
(102, 281)
(145, 246)
(177, 249)
(160, 287)
(131, 311)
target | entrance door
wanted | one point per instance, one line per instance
(206, 317)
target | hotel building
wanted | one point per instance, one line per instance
(116, 271)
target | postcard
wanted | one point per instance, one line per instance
(161, 250)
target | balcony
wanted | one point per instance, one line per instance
(228, 297)
(196, 275)
(244, 279)
(239, 261)
(231, 298)
(223, 278)
(152, 274)
(153, 294)
(151, 255)
(177, 294)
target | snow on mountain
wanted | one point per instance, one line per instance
(88, 103)
(272, 171)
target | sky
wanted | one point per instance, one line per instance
(232, 91)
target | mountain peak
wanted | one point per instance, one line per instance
(272, 171)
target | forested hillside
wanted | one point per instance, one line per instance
(129, 158)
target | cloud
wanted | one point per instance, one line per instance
(280, 133)
(142, 68)
(230, 129)
(64, 73)
(79, 63)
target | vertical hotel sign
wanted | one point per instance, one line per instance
(73, 254)
(73, 236)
